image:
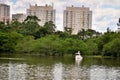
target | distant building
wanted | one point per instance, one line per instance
(118, 30)
(77, 18)
(118, 24)
(4, 13)
(19, 17)
(44, 13)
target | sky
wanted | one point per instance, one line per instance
(105, 12)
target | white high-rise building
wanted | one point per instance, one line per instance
(77, 18)
(4, 13)
(118, 24)
(44, 13)
(19, 17)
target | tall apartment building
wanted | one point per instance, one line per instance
(44, 13)
(118, 24)
(4, 13)
(77, 18)
(19, 17)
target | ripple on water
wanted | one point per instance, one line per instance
(57, 71)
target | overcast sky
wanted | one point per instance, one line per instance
(105, 12)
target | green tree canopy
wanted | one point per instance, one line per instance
(112, 48)
(31, 19)
(50, 27)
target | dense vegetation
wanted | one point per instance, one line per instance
(28, 37)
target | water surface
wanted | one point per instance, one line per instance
(58, 68)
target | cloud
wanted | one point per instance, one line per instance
(105, 12)
(105, 18)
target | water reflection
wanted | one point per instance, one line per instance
(57, 71)
(4, 68)
(77, 62)
(17, 71)
(104, 73)
(77, 72)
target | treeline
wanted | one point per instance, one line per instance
(30, 38)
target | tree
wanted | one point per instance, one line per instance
(68, 30)
(108, 30)
(50, 27)
(92, 47)
(82, 34)
(40, 33)
(72, 45)
(30, 26)
(2, 27)
(63, 34)
(8, 41)
(31, 19)
(90, 33)
(112, 48)
(26, 45)
(15, 26)
(105, 39)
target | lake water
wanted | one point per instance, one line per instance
(58, 68)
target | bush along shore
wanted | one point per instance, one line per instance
(30, 38)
